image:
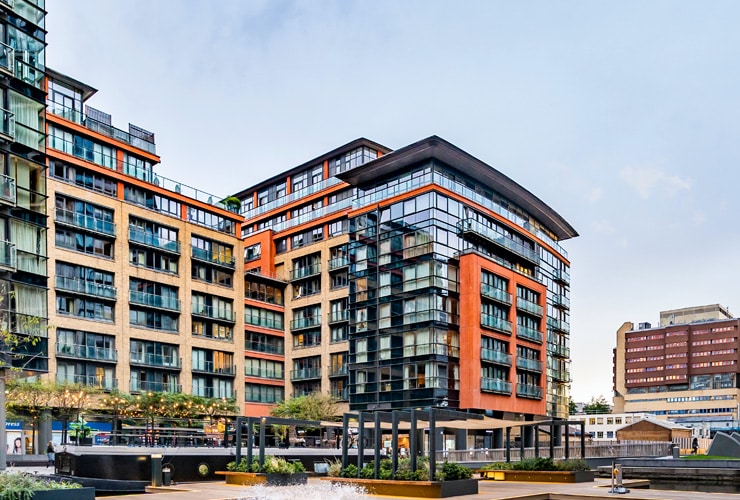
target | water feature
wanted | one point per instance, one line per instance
(698, 486)
(315, 490)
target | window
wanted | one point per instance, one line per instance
(151, 259)
(252, 252)
(156, 202)
(83, 178)
(257, 393)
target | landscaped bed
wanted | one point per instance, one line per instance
(275, 471)
(22, 486)
(539, 470)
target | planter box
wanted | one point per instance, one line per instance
(70, 494)
(251, 478)
(578, 476)
(419, 489)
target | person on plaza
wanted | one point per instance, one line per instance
(694, 446)
(50, 453)
(17, 447)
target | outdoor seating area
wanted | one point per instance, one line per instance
(162, 436)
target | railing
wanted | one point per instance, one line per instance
(495, 323)
(284, 200)
(529, 306)
(310, 322)
(529, 391)
(212, 312)
(214, 392)
(305, 373)
(28, 72)
(338, 262)
(524, 332)
(23, 324)
(153, 240)
(558, 325)
(263, 347)
(7, 189)
(7, 125)
(495, 385)
(7, 58)
(87, 352)
(340, 394)
(338, 370)
(495, 356)
(85, 221)
(210, 367)
(206, 256)
(561, 301)
(561, 276)
(274, 324)
(560, 375)
(86, 287)
(146, 386)
(153, 300)
(156, 360)
(559, 350)
(304, 272)
(533, 365)
(264, 373)
(495, 293)
(228, 337)
(8, 255)
(313, 214)
(101, 382)
(473, 226)
(338, 316)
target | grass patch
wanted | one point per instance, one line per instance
(707, 457)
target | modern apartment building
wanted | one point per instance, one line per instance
(405, 279)
(146, 290)
(686, 371)
(23, 248)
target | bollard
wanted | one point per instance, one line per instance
(166, 475)
(676, 451)
(156, 470)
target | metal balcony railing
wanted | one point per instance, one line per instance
(210, 367)
(472, 226)
(158, 360)
(86, 352)
(147, 386)
(527, 333)
(529, 306)
(271, 323)
(8, 255)
(153, 300)
(561, 276)
(561, 301)
(218, 258)
(560, 375)
(264, 373)
(495, 293)
(149, 239)
(529, 391)
(494, 356)
(214, 392)
(532, 365)
(7, 57)
(338, 370)
(495, 323)
(558, 350)
(338, 316)
(7, 189)
(85, 222)
(218, 313)
(310, 322)
(304, 272)
(85, 287)
(305, 373)
(559, 325)
(7, 124)
(100, 382)
(338, 263)
(496, 385)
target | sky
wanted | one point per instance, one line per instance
(622, 116)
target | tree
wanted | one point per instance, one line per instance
(572, 408)
(31, 400)
(597, 405)
(315, 406)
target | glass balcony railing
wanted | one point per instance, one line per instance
(481, 230)
(494, 356)
(558, 350)
(561, 276)
(7, 189)
(560, 375)
(218, 258)
(264, 373)
(219, 313)
(529, 306)
(532, 365)
(558, 325)
(101, 382)
(305, 373)
(496, 385)
(300, 323)
(8, 256)
(85, 221)
(7, 125)
(147, 386)
(264, 347)
(561, 301)
(153, 240)
(284, 200)
(495, 323)
(158, 360)
(153, 300)
(271, 323)
(7, 56)
(529, 391)
(304, 272)
(527, 333)
(495, 293)
(338, 263)
(86, 287)
(314, 214)
(211, 367)
(338, 370)
(338, 316)
(340, 394)
(215, 392)
(87, 352)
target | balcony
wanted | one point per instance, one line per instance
(474, 228)
(497, 385)
(340, 394)
(558, 350)
(214, 392)
(86, 352)
(7, 54)
(255, 320)
(532, 365)
(7, 190)
(85, 287)
(561, 301)
(210, 368)
(212, 312)
(100, 382)
(153, 300)
(147, 386)
(558, 325)
(264, 373)
(495, 323)
(560, 375)
(157, 360)
(338, 370)
(225, 337)
(85, 222)
(528, 391)
(264, 347)
(305, 373)
(218, 259)
(561, 276)
(529, 307)
(494, 356)
(8, 256)
(338, 263)
(23, 324)
(136, 235)
(299, 273)
(526, 333)
(338, 316)
(7, 125)
(496, 294)
(301, 323)
(297, 195)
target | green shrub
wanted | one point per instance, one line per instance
(451, 471)
(535, 464)
(20, 486)
(497, 466)
(573, 464)
(335, 468)
(272, 465)
(349, 471)
(540, 464)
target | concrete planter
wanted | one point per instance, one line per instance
(419, 489)
(544, 476)
(70, 494)
(251, 478)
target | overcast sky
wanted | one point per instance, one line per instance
(622, 116)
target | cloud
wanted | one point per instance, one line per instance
(646, 180)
